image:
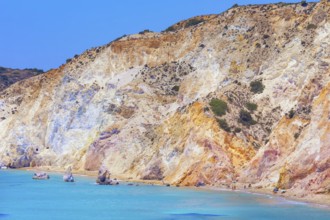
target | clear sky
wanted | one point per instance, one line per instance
(44, 33)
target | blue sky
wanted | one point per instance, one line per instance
(44, 33)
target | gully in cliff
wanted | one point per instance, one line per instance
(68, 177)
(40, 176)
(104, 178)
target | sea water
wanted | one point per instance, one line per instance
(25, 199)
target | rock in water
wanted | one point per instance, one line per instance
(104, 178)
(40, 176)
(68, 177)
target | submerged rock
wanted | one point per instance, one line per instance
(40, 176)
(68, 177)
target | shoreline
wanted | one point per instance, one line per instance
(317, 200)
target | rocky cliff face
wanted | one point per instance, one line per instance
(241, 96)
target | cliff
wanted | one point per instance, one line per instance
(240, 97)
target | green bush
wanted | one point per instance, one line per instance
(257, 86)
(218, 107)
(291, 113)
(245, 118)
(170, 29)
(176, 88)
(145, 31)
(237, 130)
(303, 3)
(224, 125)
(251, 106)
(193, 22)
(311, 26)
(119, 38)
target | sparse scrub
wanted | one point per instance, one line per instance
(311, 26)
(218, 107)
(251, 106)
(245, 118)
(170, 29)
(224, 125)
(145, 31)
(303, 3)
(120, 38)
(257, 86)
(237, 130)
(193, 22)
(176, 88)
(291, 113)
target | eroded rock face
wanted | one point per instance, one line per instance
(140, 106)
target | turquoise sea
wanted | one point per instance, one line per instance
(25, 199)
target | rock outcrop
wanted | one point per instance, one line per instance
(103, 178)
(10, 76)
(68, 176)
(240, 97)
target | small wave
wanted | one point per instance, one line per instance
(196, 215)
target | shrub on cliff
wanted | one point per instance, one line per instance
(218, 107)
(170, 29)
(291, 113)
(245, 118)
(145, 31)
(251, 106)
(303, 3)
(176, 88)
(311, 26)
(193, 22)
(224, 125)
(257, 86)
